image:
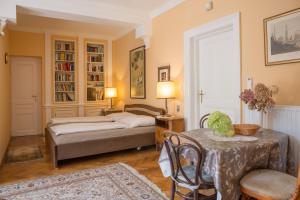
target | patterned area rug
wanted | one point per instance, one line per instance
(111, 182)
(23, 153)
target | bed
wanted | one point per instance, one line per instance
(90, 138)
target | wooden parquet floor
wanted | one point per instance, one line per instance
(144, 161)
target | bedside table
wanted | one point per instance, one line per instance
(175, 124)
(110, 111)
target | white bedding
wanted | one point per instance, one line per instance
(56, 121)
(83, 127)
(113, 121)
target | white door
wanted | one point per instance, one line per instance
(213, 80)
(26, 96)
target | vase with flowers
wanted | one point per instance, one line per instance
(259, 99)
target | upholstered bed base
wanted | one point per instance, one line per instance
(76, 145)
(93, 147)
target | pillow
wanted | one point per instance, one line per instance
(120, 115)
(133, 121)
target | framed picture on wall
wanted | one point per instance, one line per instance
(282, 38)
(137, 63)
(164, 73)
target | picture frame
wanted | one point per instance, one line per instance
(282, 38)
(137, 67)
(163, 73)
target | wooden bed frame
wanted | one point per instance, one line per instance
(81, 148)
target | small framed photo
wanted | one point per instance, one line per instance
(164, 73)
(282, 38)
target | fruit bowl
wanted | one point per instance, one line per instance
(246, 129)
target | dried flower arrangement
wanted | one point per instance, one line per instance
(260, 99)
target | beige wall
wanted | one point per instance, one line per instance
(166, 47)
(27, 44)
(4, 97)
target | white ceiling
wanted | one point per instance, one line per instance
(104, 28)
(144, 5)
(109, 18)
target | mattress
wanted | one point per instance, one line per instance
(99, 135)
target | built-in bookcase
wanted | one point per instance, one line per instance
(64, 70)
(95, 71)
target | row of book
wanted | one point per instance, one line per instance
(62, 87)
(62, 46)
(95, 84)
(65, 66)
(62, 97)
(95, 67)
(64, 56)
(95, 77)
(64, 77)
(95, 58)
(95, 49)
(95, 94)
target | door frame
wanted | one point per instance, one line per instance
(191, 49)
(40, 108)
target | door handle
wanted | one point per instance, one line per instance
(35, 98)
(201, 95)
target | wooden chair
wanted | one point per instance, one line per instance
(203, 119)
(267, 184)
(186, 173)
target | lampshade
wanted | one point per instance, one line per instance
(165, 90)
(110, 92)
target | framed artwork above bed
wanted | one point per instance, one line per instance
(282, 38)
(137, 63)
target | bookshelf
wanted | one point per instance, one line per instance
(95, 71)
(64, 67)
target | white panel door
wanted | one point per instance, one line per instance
(212, 70)
(26, 96)
(218, 82)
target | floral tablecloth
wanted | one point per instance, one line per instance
(227, 162)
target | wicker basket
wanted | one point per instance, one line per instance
(246, 129)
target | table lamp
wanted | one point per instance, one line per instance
(110, 93)
(165, 90)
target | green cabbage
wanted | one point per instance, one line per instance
(220, 123)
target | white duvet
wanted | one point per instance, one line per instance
(83, 127)
(92, 119)
(114, 121)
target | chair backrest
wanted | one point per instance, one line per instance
(180, 149)
(203, 119)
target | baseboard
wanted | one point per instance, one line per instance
(5, 153)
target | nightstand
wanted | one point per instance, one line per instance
(110, 111)
(175, 124)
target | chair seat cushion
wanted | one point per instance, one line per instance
(270, 183)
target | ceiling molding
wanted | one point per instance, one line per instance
(12, 27)
(164, 8)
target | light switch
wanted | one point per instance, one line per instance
(249, 83)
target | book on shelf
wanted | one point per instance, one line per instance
(60, 76)
(64, 56)
(63, 87)
(95, 94)
(95, 48)
(95, 67)
(64, 66)
(95, 77)
(64, 46)
(95, 58)
(63, 97)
